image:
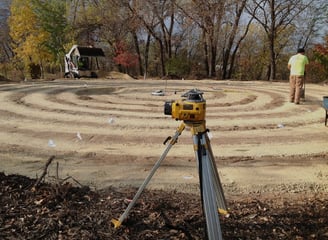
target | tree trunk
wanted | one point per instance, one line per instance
(228, 57)
(136, 44)
(272, 37)
(162, 53)
(205, 46)
(225, 62)
(213, 60)
(146, 56)
(273, 66)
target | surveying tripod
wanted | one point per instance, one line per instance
(212, 196)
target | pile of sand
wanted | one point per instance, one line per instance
(118, 75)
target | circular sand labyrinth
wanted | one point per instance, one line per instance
(121, 122)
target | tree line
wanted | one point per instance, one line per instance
(222, 39)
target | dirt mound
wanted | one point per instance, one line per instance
(119, 75)
(64, 211)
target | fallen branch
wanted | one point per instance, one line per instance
(44, 172)
(70, 177)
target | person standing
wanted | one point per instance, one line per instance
(296, 65)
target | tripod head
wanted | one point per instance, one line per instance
(191, 108)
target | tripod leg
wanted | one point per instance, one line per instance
(117, 223)
(211, 189)
(221, 201)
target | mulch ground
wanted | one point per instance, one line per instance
(61, 210)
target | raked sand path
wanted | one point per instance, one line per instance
(111, 132)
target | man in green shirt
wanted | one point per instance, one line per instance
(296, 65)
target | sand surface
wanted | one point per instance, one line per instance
(110, 132)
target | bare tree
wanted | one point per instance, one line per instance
(208, 15)
(276, 16)
(235, 36)
(158, 19)
(311, 23)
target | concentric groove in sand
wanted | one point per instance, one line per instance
(250, 115)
